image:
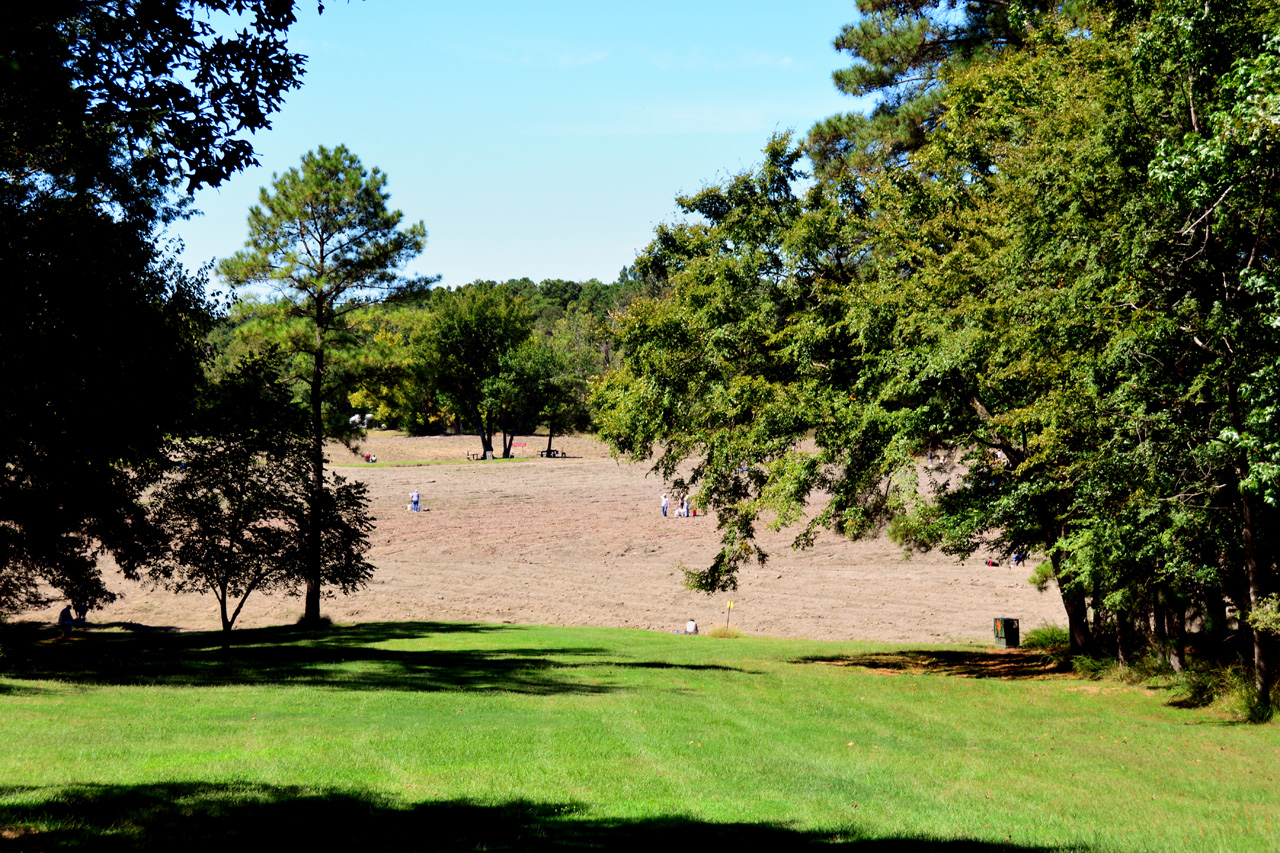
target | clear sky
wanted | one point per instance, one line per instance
(540, 139)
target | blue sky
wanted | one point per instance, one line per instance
(539, 139)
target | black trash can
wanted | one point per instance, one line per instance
(1006, 633)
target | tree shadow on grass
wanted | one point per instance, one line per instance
(207, 816)
(348, 657)
(1006, 664)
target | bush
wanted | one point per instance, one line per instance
(1047, 638)
(1240, 699)
(724, 632)
(1095, 669)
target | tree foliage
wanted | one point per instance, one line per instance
(460, 349)
(1056, 277)
(231, 513)
(104, 107)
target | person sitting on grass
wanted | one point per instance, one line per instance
(691, 627)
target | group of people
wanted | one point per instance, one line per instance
(1018, 560)
(684, 509)
(369, 457)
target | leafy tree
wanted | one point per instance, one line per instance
(232, 515)
(461, 346)
(1064, 281)
(324, 239)
(749, 350)
(537, 384)
(103, 107)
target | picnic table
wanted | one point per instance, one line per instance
(550, 453)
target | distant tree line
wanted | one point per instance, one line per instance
(491, 359)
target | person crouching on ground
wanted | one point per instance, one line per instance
(66, 621)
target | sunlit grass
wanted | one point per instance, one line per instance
(609, 737)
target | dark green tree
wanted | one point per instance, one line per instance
(325, 241)
(537, 383)
(461, 346)
(231, 513)
(104, 108)
(1065, 283)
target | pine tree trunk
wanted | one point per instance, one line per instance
(311, 611)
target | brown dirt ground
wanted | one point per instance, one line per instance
(581, 541)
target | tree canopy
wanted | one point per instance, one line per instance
(1052, 274)
(104, 109)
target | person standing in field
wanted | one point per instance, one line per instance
(664, 504)
(413, 499)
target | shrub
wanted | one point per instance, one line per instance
(1094, 669)
(1047, 638)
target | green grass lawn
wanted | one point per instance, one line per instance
(443, 736)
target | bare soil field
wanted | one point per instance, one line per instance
(581, 541)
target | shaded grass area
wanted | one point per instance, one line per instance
(218, 817)
(424, 735)
(964, 663)
(350, 658)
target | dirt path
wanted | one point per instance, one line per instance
(581, 541)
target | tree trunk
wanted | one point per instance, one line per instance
(1176, 628)
(1264, 677)
(1125, 648)
(486, 440)
(1256, 569)
(1099, 612)
(508, 437)
(222, 606)
(1077, 611)
(550, 433)
(311, 611)
(1077, 620)
(226, 623)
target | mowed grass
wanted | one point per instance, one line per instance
(455, 736)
